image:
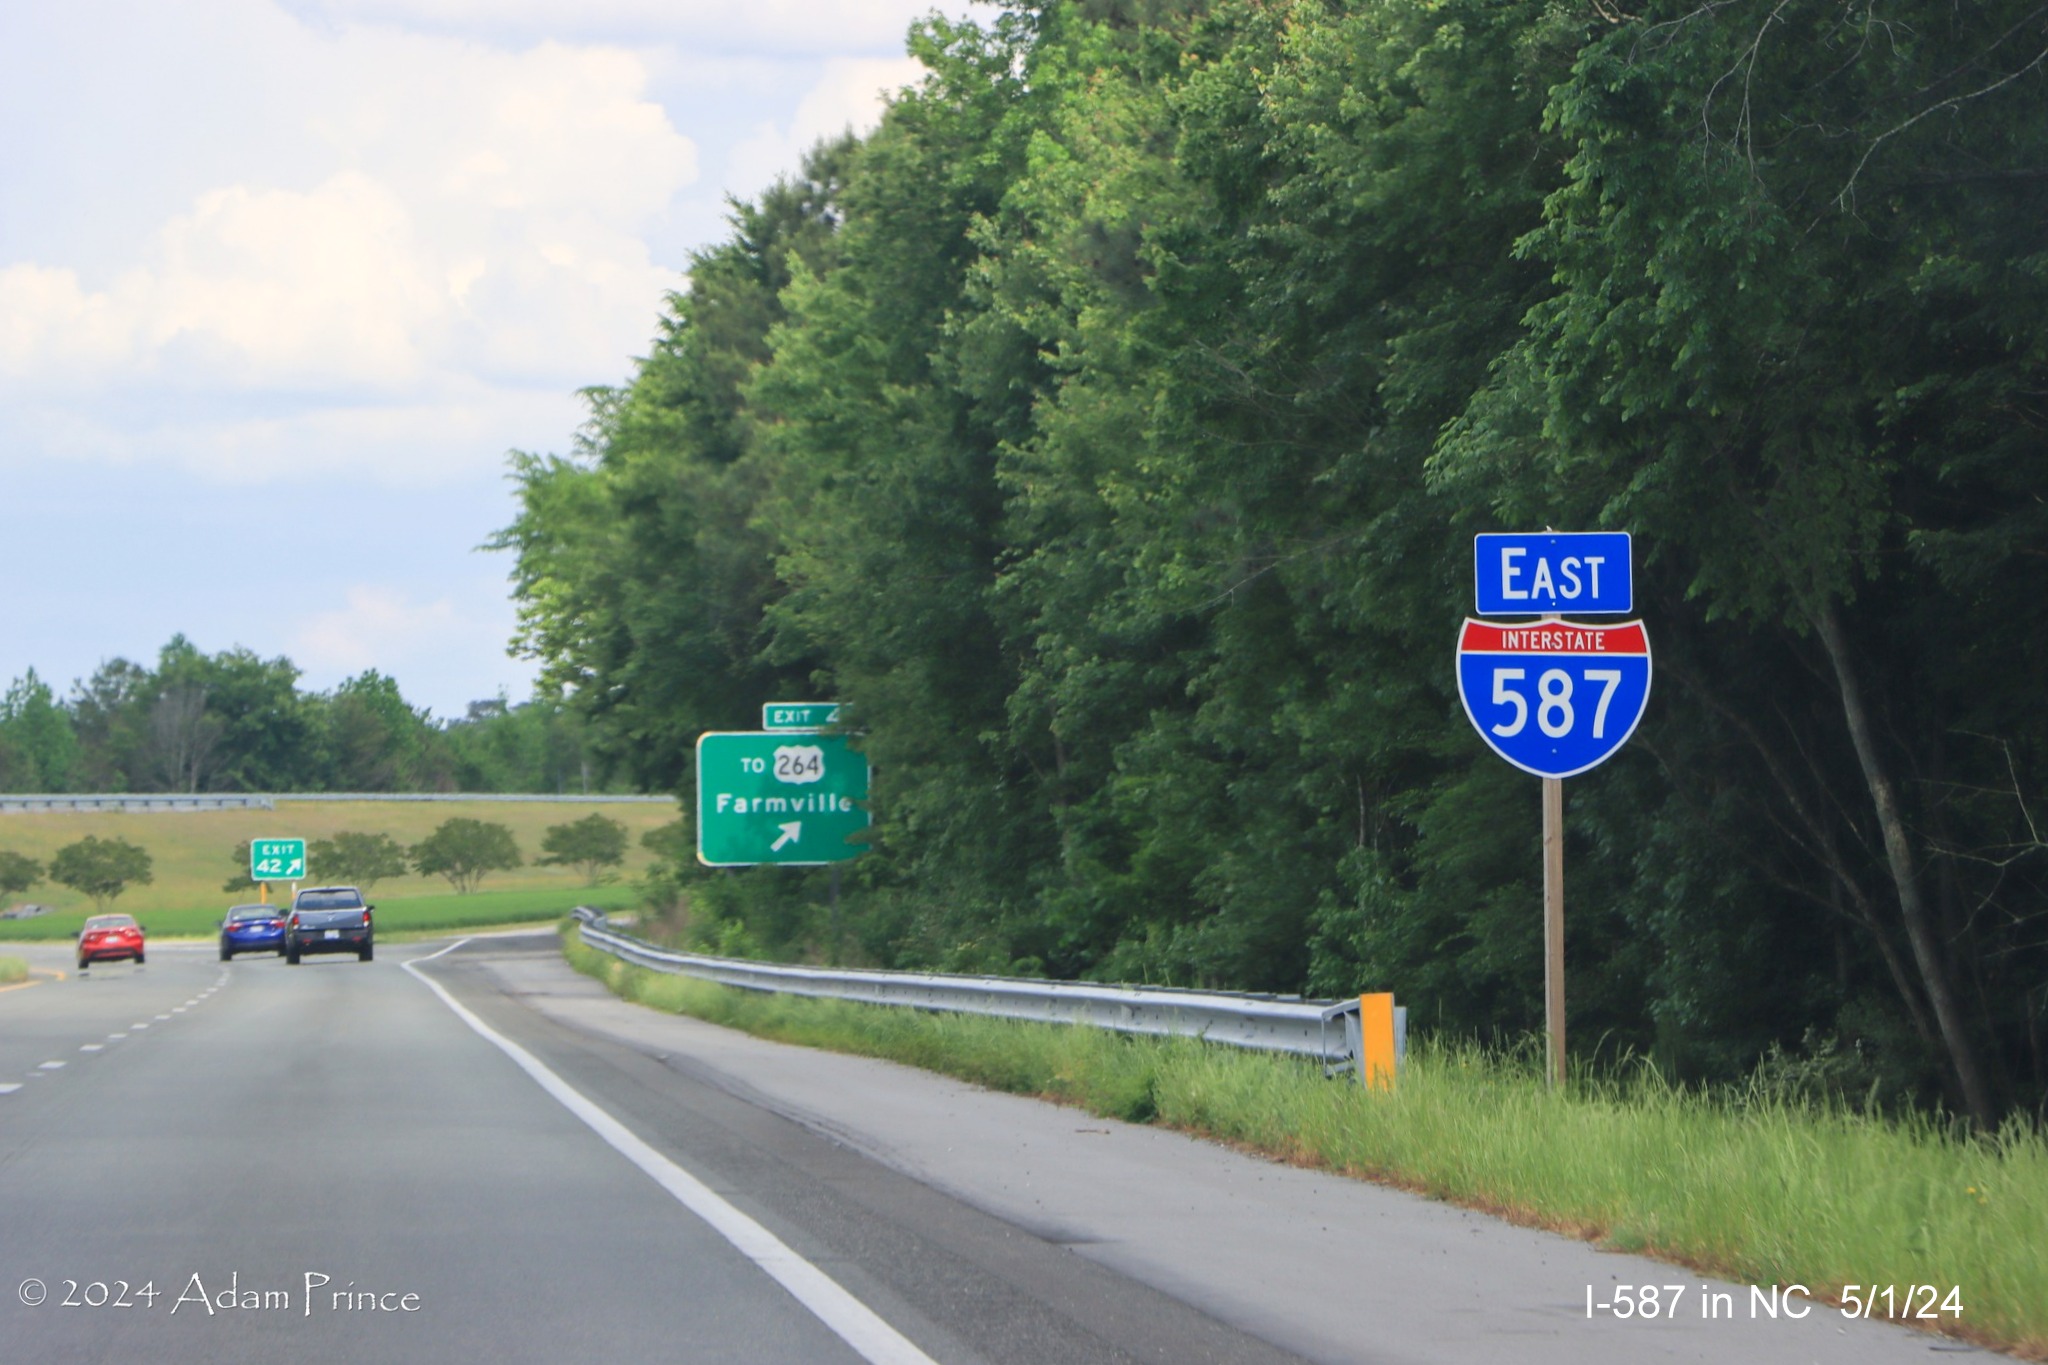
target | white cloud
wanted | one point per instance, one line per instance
(385, 628)
(377, 625)
(792, 27)
(481, 225)
(851, 94)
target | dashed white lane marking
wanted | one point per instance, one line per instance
(92, 1047)
(176, 1009)
(138, 1024)
(115, 1037)
(9, 1087)
(856, 1324)
(51, 1066)
(163, 1016)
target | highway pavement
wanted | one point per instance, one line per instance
(477, 1155)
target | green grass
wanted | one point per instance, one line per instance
(1760, 1193)
(485, 909)
(192, 851)
(410, 916)
(12, 969)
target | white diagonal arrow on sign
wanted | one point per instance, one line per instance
(791, 832)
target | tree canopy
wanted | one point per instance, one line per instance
(101, 868)
(1107, 430)
(359, 859)
(465, 851)
(233, 721)
(596, 844)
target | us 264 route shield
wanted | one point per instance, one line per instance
(1554, 698)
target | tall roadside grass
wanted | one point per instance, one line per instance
(1756, 1190)
(12, 970)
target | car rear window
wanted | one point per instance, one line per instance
(328, 900)
(111, 922)
(255, 912)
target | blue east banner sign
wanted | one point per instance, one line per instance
(1534, 573)
(1554, 698)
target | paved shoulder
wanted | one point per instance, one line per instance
(1315, 1265)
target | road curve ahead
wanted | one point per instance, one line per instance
(476, 1155)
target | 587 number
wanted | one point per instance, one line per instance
(1553, 711)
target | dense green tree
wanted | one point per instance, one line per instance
(360, 860)
(375, 740)
(465, 851)
(38, 744)
(240, 880)
(107, 713)
(641, 575)
(18, 872)
(596, 843)
(101, 868)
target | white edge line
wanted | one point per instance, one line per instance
(851, 1320)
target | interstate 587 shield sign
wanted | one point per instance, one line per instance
(1551, 697)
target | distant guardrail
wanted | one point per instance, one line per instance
(21, 803)
(578, 799)
(1326, 1030)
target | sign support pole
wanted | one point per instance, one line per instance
(1553, 923)
(835, 914)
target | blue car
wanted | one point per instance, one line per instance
(252, 929)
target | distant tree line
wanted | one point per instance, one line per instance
(1108, 429)
(461, 849)
(234, 721)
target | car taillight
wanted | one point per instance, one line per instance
(366, 919)
(295, 921)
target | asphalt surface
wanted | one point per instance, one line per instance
(272, 1124)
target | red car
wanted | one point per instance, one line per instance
(106, 938)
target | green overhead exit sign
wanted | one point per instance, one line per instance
(277, 860)
(789, 798)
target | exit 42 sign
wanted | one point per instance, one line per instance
(277, 860)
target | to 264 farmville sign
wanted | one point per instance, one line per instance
(793, 798)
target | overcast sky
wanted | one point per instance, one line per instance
(281, 281)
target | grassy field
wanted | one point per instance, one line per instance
(1760, 1193)
(12, 969)
(192, 852)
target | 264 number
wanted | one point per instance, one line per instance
(1553, 710)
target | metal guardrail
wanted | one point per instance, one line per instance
(577, 799)
(22, 803)
(1326, 1030)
